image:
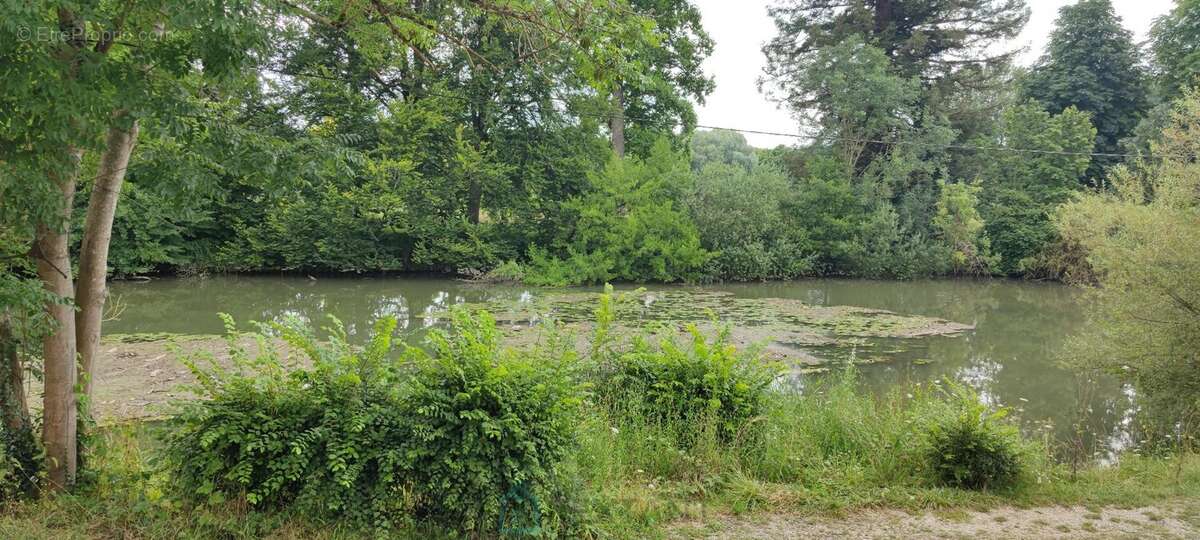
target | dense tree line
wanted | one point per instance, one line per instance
(550, 141)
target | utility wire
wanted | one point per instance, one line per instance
(799, 136)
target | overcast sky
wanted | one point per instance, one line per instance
(740, 27)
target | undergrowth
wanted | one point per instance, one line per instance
(465, 437)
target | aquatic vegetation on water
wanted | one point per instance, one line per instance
(788, 329)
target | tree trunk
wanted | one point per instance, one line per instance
(13, 406)
(91, 291)
(14, 409)
(474, 200)
(617, 122)
(475, 188)
(51, 250)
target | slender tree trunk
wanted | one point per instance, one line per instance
(14, 409)
(617, 122)
(51, 251)
(13, 406)
(475, 188)
(91, 290)
(474, 201)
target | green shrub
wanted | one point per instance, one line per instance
(507, 272)
(321, 437)
(739, 214)
(629, 226)
(972, 447)
(20, 464)
(484, 424)
(445, 438)
(694, 383)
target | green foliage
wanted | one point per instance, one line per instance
(924, 38)
(1140, 242)
(20, 463)
(972, 447)
(483, 422)
(666, 73)
(849, 92)
(629, 227)
(276, 436)
(739, 215)
(834, 216)
(1020, 190)
(1093, 65)
(692, 387)
(699, 384)
(383, 441)
(961, 227)
(722, 146)
(1173, 39)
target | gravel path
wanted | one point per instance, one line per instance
(1180, 519)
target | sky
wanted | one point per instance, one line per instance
(740, 27)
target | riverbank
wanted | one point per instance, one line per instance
(127, 497)
(829, 459)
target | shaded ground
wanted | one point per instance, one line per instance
(137, 375)
(1178, 519)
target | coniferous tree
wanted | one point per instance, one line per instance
(942, 42)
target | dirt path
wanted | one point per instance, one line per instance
(1180, 519)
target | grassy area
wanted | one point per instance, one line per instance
(827, 452)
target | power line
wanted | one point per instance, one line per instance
(914, 143)
(799, 136)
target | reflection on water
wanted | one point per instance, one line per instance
(1010, 357)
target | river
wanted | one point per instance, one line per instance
(1010, 357)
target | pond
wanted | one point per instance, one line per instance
(1005, 344)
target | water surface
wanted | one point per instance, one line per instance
(1010, 357)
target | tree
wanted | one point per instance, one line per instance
(722, 146)
(79, 78)
(1173, 40)
(1141, 241)
(739, 213)
(655, 80)
(1020, 189)
(947, 43)
(961, 226)
(852, 99)
(1092, 64)
(631, 226)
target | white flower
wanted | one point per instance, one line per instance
(615, 430)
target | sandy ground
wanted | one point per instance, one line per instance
(138, 380)
(1180, 519)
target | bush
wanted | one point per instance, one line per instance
(319, 437)
(485, 425)
(20, 464)
(445, 437)
(973, 447)
(701, 383)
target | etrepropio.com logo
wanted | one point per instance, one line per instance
(51, 34)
